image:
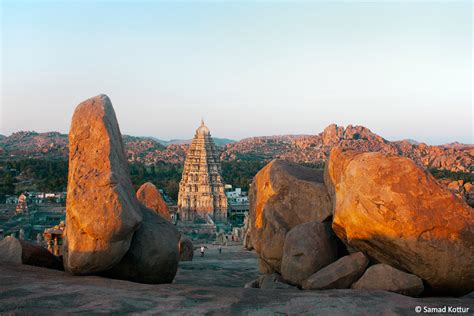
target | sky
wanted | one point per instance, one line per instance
(401, 68)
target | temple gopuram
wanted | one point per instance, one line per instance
(201, 195)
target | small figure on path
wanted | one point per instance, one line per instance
(220, 249)
(202, 251)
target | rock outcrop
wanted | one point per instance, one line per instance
(153, 255)
(338, 275)
(10, 250)
(186, 249)
(282, 196)
(254, 284)
(308, 248)
(44, 289)
(386, 278)
(14, 251)
(102, 212)
(273, 281)
(398, 214)
(461, 189)
(35, 255)
(149, 196)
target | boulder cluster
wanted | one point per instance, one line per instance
(110, 230)
(464, 190)
(368, 221)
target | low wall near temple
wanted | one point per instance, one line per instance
(197, 231)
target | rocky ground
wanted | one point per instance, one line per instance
(210, 284)
(232, 268)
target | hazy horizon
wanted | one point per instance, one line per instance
(401, 69)
(232, 139)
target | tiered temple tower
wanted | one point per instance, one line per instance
(201, 190)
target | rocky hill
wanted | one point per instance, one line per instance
(312, 149)
(29, 144)
(315, 149)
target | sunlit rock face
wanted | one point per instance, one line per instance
(283, 195)
(398, 214)
(149, 196)
(102, 212)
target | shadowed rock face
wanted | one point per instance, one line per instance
(186, 249)
(36, 255)
(308, 247)
(398, 214)
(153, 255)
(338, 275)
(282, 196)
(10, 250)
(102, 211)
(14, 251)
(387, 278)
(149, 196)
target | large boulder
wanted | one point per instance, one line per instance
(398, 214)
(10, 250)
(186, 249)
(153, 255)
(338, 275)
(282, 196)
(149, 196)
(102, 212)
(387, 278)
(308, 248)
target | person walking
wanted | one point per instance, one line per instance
(202, 251)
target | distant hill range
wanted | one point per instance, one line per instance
(311, 149)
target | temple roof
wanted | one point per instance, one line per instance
(202, 129)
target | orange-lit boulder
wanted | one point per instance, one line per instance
(102, 212)
(398, 214)
(282, 196)
(149, 196)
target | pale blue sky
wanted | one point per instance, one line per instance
(403, 69)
